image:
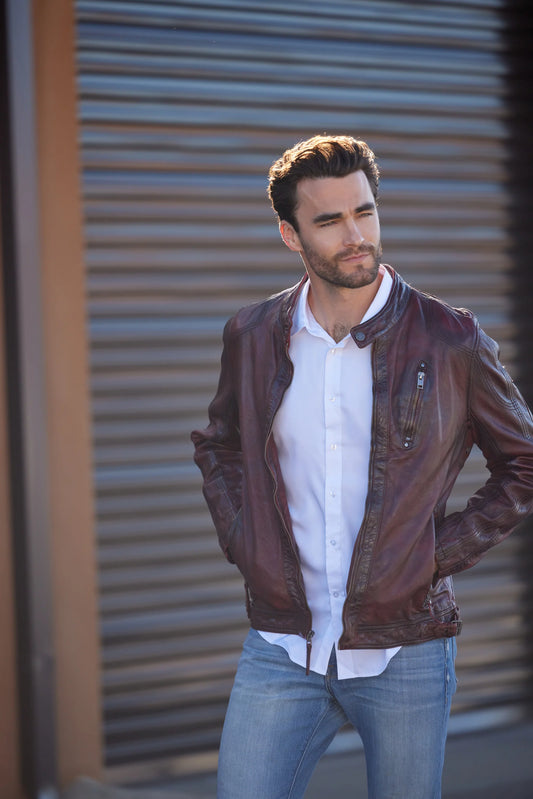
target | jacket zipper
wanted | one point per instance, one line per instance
(354, 566)
(410, 427)
(309, 635)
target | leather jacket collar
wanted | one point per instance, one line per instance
(365, 333)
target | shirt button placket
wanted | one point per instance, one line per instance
(333, 459)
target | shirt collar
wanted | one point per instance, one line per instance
(303, 316)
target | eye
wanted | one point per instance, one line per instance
(328, 224)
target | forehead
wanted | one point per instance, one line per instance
(333, 195)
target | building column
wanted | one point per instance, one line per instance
(10, 784)
(48, 592)
(72, 540)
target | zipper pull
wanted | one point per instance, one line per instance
(421, 376)
(308, 641)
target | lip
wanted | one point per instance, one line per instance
(356, 258)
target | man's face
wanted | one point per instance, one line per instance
(339, 233)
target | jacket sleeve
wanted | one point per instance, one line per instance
(502, 426)
(218, 452)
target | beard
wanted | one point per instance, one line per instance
(332, 271)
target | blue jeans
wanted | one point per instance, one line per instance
(279, 722)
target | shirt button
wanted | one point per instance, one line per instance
(335, 594)
(332, 494)
(333, 446)
(332, 399)
(332, 542)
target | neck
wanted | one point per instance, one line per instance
(338, 309)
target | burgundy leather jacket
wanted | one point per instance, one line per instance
(438, 389)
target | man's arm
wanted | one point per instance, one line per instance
(218, 452)
(502, 426)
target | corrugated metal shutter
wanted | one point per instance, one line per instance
(183, 107)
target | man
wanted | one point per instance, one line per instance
(346, 408)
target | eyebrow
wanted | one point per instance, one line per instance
(329, 217)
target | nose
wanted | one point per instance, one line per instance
(352, 234)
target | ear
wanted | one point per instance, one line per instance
(290, 236)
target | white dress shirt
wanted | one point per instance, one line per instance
(323, 433)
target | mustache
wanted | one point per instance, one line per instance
(364, 249)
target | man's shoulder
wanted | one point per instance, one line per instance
(263, 312)
(455, 325)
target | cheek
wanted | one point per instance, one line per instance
(375, 232)
(324, 242)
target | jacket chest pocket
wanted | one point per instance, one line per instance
(416, 392)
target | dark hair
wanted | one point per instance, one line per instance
(319, 157)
